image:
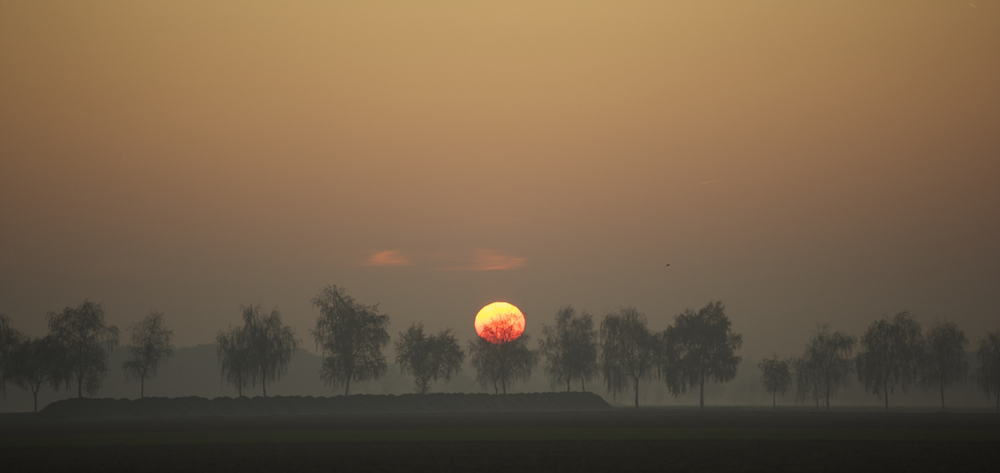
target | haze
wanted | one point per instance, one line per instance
(803, 162)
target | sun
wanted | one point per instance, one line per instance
(500, 322)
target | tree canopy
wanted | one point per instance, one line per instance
(891, 352)
(505, 360)
(946, 363)
(428, 358)
(825, 365)
(570, 348)
(39, 361)
(150, 347)
(628, 351)
(351, 337)
(988, 372)
(10, 338)
(257, 352)
(700, 346)
(87, 341)
(776, 376)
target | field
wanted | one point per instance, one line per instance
(624, 439)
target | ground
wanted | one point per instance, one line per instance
(622, 440)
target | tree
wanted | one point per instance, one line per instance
(988, 372)
(776, 376)
(946, 363)
(150, 347)
(88, 343)
(10, 338)
(428, 358)
(891, 351)
(570, 348)
(825, 366)
(37, 361)
(257, 352)
(628, 351)
(234, 358)
(506, 359)
(351, 337)
(700, 346)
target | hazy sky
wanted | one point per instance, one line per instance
(804, 162)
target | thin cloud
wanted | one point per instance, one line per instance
(708, 182)
(388, 258)
(490, 260)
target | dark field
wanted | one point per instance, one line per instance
(631, 440)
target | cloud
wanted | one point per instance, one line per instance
(708, 182)
(490, 260)
(388, 258)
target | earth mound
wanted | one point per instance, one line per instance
(152, 407)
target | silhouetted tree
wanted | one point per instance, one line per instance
(700, 346)
(234, 358)
(87, 341)
(10, 338)
(150, 347)
(265, 344)
(351, 337)
(825, 366)
(776, 376)
(570, 348)
(504, 361)
(988, 372)
(37, 361)
(891, 351)
(628, 351)
(428, 358)
(946, 363)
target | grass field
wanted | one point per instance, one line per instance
(625, 440)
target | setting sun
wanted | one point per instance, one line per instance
(500, 322)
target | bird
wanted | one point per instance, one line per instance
(668, 264)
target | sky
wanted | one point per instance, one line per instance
(803, 162)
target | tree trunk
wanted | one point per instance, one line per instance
(79, 387)
(142, 387)
(942, 394)
(636, 393)
(347, 386)
(263, 386)
(702, 398)
(503, 384)
(567, 384)
(774, 400)
(34, 392)
(885, 390)
(828, 395)
(583, 387)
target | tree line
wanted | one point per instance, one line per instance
(622, 352)
(893, 354)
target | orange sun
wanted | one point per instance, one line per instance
(500, 322)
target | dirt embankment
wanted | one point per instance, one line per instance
(308, 405)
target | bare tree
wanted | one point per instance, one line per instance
(825, 366)
(428, 358)
(776, 376)
(891, 351)
(264, 344)
(10, 338)
(88, 343)
(946, 363)
(628, 351)
(700, 346)
(35, 362)
(150, 347)
(504, 360)
(351, 337)
(988, 372)
(570, 348)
